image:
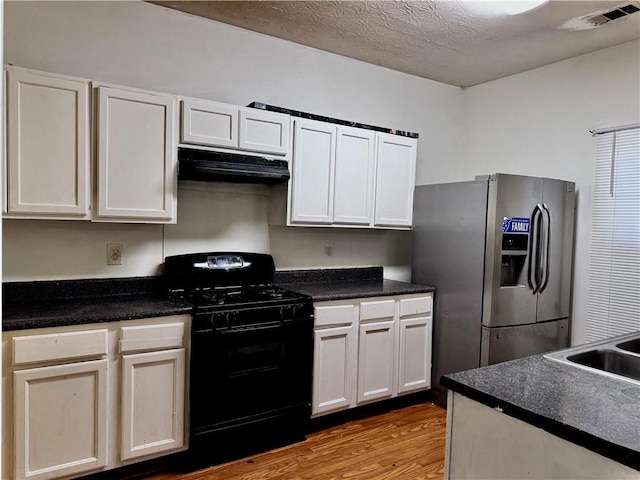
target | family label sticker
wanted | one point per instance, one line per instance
(515, 225)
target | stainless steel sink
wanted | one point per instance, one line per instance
(617, 357)
(630, 346)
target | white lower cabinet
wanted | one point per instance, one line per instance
(376, 361)
(81, 399)
(414, 356)
(60, 419)
(370, 349)
(334, 369)
(152, 402)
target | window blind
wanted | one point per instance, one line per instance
(614, 269)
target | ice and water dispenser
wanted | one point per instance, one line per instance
(515, 245)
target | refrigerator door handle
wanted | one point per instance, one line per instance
(547, 234)
(534, 248)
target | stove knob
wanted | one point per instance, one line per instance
(287, 312)
(232, 317)
(218, 319)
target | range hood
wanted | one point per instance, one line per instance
(208, 166)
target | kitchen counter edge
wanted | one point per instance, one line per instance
(532, 389)
(330, 291)
(86, 311)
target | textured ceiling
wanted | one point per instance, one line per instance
(455, 42)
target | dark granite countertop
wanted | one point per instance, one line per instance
(344, 283)
(599, 413)
(76, 302)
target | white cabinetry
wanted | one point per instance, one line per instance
(264, 132)
(81, 399)
(344, 176)
(59, 411)
(354, 176)
(390, 356)
(395, 180)
(314, 154)
(153, 389)
(376, 350)
(335, 358)
(49, 140)
(209, 123)
(415, 342)
(214, 124)
(136, 179)
(48, 145)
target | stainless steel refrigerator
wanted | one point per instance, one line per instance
(499, 252)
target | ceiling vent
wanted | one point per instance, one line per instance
(602, 17)
(611, 15)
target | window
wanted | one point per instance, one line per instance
(614, 268)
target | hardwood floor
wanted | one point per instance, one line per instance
(405, 444)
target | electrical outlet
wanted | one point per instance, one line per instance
(114, 253)
(328, 249)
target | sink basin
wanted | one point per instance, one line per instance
(630, 346)
(609, 361)
(617, 357)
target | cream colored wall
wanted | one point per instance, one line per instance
(538, 122)
(142, 45)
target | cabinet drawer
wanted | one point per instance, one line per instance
(59, 346)
(336, 315)
(151, 337)
(379, 309)
(412, 306)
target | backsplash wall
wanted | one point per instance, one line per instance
(141, 45)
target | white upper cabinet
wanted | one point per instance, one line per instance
(209, 123)
(48, 145)
(366, 181)
(137, 165)
(262, 131)
(314, 153)
(395, 180)
(220, 125)
(354, 176)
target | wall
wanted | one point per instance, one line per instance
(538, 122)
(147, 46)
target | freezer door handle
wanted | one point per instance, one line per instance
(547, 246)
(534, 275)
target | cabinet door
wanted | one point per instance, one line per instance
(314, 151)
(414, 363)
(137, 169)
(354, 176)
(153, 393)
(60, 420)
(334, 364)
(48, 145)
(209, 123)
(376, 361)
(395, 180)
(262, 131)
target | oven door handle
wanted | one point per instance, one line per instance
(254, 328)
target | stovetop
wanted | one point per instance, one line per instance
(216, 298)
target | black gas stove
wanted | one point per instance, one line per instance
(251, 353)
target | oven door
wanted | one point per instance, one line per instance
(251, 373)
